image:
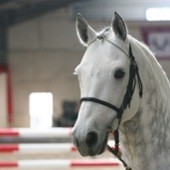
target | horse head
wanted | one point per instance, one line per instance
(103, 75)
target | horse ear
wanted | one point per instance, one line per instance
(119, 27)
(85, 32)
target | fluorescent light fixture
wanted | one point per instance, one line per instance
(158, 14)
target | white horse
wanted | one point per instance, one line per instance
(104, 75)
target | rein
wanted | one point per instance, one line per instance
(133, 76)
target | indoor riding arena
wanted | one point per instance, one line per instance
(51, 98)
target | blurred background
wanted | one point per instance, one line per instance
(39, 50)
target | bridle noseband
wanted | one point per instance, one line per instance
(133, 76)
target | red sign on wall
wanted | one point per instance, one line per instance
(158, 40)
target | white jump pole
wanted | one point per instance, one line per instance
(37, 148)
(40, 148)
(36, 133)
(56, 164)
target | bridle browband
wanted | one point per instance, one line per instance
(133, 75)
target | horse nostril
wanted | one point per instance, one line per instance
(91, 139)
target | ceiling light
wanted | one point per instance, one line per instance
(158, 14)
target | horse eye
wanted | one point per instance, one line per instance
(119, 74)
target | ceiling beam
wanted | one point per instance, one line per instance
(5, 1)
(35, 10)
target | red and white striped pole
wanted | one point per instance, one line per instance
(37, 148)
(36, 133)
(40, 148)
(54, 164)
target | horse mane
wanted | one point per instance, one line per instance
(150, 62)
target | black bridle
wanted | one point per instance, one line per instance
(133, 76)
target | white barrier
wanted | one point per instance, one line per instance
(47, 148)
(41, 148)
(37, 148)
(36, 133)
(55, 164)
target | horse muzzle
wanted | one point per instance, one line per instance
(90, 143)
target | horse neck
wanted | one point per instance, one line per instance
(148, 133)
(155, 82)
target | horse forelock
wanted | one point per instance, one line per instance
(104, 33)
